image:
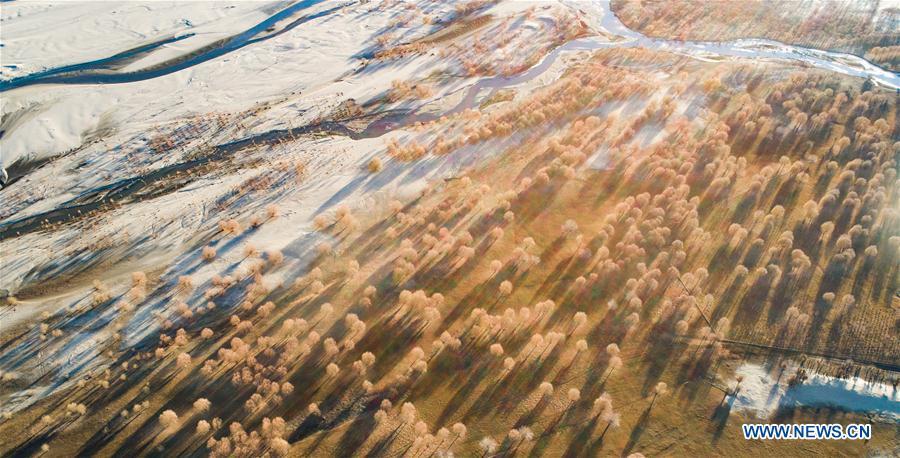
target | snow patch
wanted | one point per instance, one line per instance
(763, 393)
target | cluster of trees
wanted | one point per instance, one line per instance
(401, 90)
(887, 56)
(843, 25)
(534, 282)
(484, 45)
(586, 88)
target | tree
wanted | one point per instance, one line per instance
(661, 389)
(169, 419)
(545, 388)
(460, 431)
(408, 413)
(487, 445)
(581, 345)
(202, 405)
(574, 394)
(509, 364)
(183, 360)
(578, 320)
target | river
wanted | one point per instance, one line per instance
(752, 48)
(843, 63)
(847, 64)
(96, 72)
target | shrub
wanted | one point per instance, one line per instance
(138, 279)
(375, 165)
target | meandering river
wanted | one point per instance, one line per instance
(94, 72)
(843, 63)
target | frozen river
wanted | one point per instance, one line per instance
(94, 73)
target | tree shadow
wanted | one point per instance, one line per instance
(636, 433)
(720, 416)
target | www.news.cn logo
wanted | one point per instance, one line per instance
(807, 432)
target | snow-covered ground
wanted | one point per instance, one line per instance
(41, 35)
(763, 393)
(53, 119)
(301, 74)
